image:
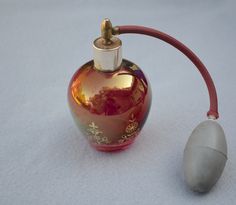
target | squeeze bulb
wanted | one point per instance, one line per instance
(205, 156)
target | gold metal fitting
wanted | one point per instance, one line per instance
(107, 31)
(107, 39)
(115, 30)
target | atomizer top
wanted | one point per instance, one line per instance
(107, 49)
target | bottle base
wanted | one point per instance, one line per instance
(113, 148)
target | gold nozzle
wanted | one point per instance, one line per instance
(107, 31)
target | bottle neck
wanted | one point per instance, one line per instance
(107, 57)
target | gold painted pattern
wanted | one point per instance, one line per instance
(95, 134)
(134, 67)
(131, 130)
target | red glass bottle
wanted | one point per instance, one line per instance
(109, 97)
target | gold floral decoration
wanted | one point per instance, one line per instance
(134, 67)
(131, 130)
(96, 135)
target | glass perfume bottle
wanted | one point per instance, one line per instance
(109, 97)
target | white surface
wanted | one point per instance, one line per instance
(45, 160)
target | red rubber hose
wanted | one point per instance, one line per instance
(213, 111)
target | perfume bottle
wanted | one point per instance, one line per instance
(109, 97)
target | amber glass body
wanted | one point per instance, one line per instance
(109, 107)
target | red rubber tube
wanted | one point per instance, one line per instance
(213, 111)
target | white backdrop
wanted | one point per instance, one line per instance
(43, 157)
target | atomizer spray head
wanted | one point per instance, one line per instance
(107, 49)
